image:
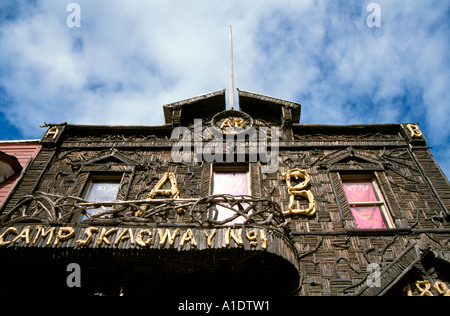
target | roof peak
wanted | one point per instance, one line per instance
(184, 111)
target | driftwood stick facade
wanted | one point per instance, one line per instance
(220, 201)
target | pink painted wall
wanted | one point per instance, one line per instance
(23, 151)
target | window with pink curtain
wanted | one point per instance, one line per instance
(233, 183)
(364, 203)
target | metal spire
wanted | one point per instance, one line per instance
(231, 72)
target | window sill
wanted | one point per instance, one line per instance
(384, 231)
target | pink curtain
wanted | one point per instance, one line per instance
(230, 183)
(234, 184)
(366, 217)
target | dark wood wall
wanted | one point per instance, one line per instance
(334, 256)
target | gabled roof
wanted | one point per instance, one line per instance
(111, 156)
(348, 159)
(185, 111)
(254, 103)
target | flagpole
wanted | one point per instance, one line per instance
(231, 72)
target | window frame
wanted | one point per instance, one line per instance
(94, 177)
(381, 202)
(229, 168)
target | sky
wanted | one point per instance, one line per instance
(346, 62)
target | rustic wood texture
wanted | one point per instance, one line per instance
(331, 255)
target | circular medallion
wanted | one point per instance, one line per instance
(232, 122)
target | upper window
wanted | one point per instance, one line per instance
(101, 190)
(366, 203)
(232, 182)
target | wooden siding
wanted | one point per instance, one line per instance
(333, 256)
(23, 151)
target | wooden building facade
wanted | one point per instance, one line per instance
(229, 202)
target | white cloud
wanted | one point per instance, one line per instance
(129, 58)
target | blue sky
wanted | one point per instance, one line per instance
(129, 58)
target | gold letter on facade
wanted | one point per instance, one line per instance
(442, 288)
(52, 131)
(237, 239)
(140, 238)
(41, 232)
(188, 236)
(239, 122)
(173, 192)
(64, 233)
(124, 235)
(424, 291)
(2, 237)
(89, 231)
(164, 236)
(415, 131)
(298, 190)
(103, 238)
(25, 234)
(226, 123)
(210, 237)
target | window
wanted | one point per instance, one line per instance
(232, 182)
(101, 190)
(366, 203)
